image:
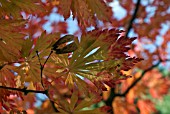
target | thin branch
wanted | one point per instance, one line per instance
(133, 18)
(142, 75)
(24, 90)
(41, 69)
(39, 59)
(42, 66)
(53, 105)
(47, 58)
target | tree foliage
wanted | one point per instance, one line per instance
(90, 71)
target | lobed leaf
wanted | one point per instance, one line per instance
(77, 108)
(14, 7)
(11, 39)
(86, 11)
(95, 59)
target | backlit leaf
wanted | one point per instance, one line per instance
(96, 60)
(85, 11)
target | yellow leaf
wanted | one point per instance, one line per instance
(31, 86)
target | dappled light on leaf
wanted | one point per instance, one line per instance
(84, 56)
(95, 59)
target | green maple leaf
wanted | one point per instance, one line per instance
(76, 108)
(29, 69)
(96, 60)
(43, 46)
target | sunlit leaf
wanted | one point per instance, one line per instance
(96, 60)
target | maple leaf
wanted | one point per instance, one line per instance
(14, 7)
(122, 107)
(7, 79)
(30, 62)
(146, 106)
(10, 39)
(156, 83)
(7, 74)
(73, 107)
(85, 11)
(92, 60)
(160, 88)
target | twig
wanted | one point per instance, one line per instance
(142, 75)
(113, 94)
(24, 90)
(53, 105)
(47, 58)
(42, 66)
(41, 69)
(133, 18)
(39, 59)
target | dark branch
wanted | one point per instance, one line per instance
(24, 90)
(47, 58)
(53, 105)
(39, 58)
(133, 18)
(113, 94)
(41, 69)
(42, 66)
(137, 80)
(142, 75)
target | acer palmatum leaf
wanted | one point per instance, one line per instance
(94, 55)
